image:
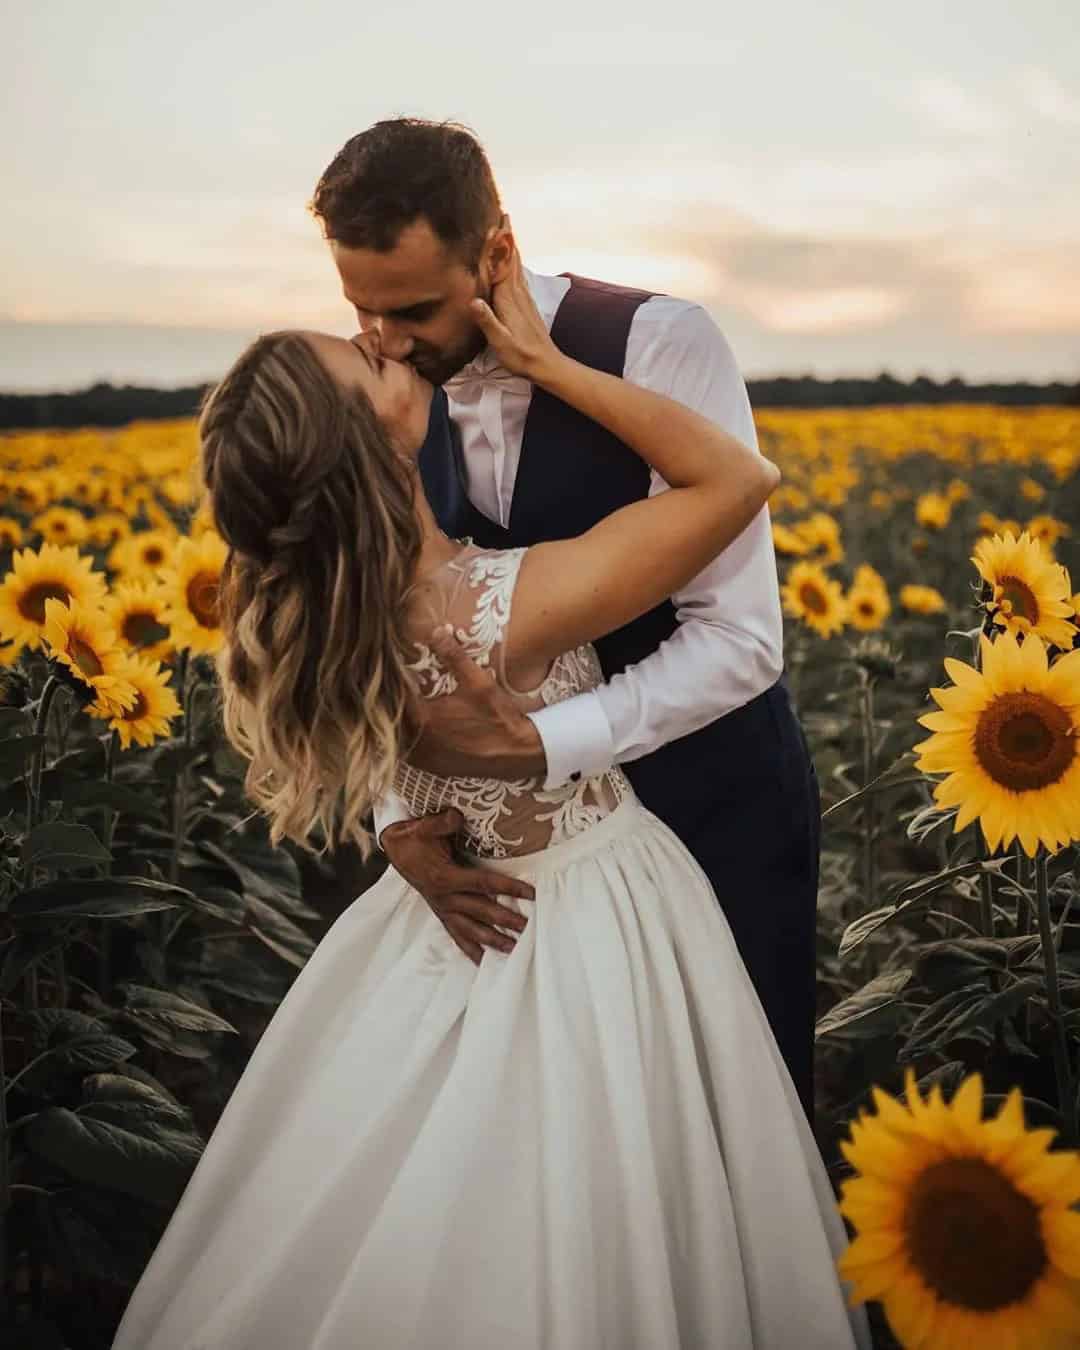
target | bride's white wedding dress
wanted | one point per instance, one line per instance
(590, 1143)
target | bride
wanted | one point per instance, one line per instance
(587, 1140)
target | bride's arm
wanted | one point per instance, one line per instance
(575, 590)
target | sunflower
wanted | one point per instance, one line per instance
(1007, 736)
(85, 487)
(964, 1227)
(138, 610)
(867, 577)
(10, 653)
(832, 486)
(1062, 461)
(191, 589)
(957, 491)
(180, 488)
(921, 599)
(108, 527)
(1029, 592)
(1032, 490)
(143, 552)
(81, 638)
(810, 594)
(11, 532)
(202, 519)
(821, 532)
(1047, 530)
(785, 540)
(788, 498)
(154, 707)
(30, 493)
(880, 500)
(51, 573)
(868, 607)
(60, 525)
(991, 524)
(932, 510)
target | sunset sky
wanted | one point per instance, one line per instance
(848, 186)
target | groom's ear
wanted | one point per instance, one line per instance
(499, 250)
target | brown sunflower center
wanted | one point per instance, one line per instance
(1024, 741)
(202, 598)
(812, 597)
(84, 655)
(153, 555)
(867, 608)
(141, 628)
(1017, 597)
(138, 710)
(32, 603)
(972, 1236)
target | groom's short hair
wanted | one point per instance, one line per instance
(402, 169)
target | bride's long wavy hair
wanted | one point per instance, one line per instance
(316, 507)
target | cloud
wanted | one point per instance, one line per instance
(952, 282)
(1047, 96)
(955, 240)
(632, 45)
(948, 106)
(1028, 290)
(806, 283)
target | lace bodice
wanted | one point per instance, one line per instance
(473, 593)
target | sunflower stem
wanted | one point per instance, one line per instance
(108, 824)
(5, 1179)
(37, 764)
(33, 804)
(869, 861)
(986, 893)
(1023, 923)
(1023, 912)
(1062, 1069)
(183, 671)
(33, 811)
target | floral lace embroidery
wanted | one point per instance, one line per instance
(572, 814)
(489, 619)
(572, 673)
(504, 818)
(434, 680)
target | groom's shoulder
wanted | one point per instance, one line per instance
(680, 326)
(660, 321)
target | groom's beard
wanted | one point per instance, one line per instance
(438, 367)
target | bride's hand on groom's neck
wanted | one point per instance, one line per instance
(514, 327)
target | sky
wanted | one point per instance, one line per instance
(848, 186)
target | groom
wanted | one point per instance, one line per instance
(694, 708)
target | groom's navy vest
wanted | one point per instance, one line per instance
(571, 474)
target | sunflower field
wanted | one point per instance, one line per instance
(148, 930)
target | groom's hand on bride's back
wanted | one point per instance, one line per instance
(464, 898)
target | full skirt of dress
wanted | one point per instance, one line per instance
(589, 1143)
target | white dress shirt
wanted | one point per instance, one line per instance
(728, 646)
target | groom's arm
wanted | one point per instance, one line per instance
(728, 646)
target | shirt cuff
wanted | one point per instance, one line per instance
(577, 739)
(388, 810)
